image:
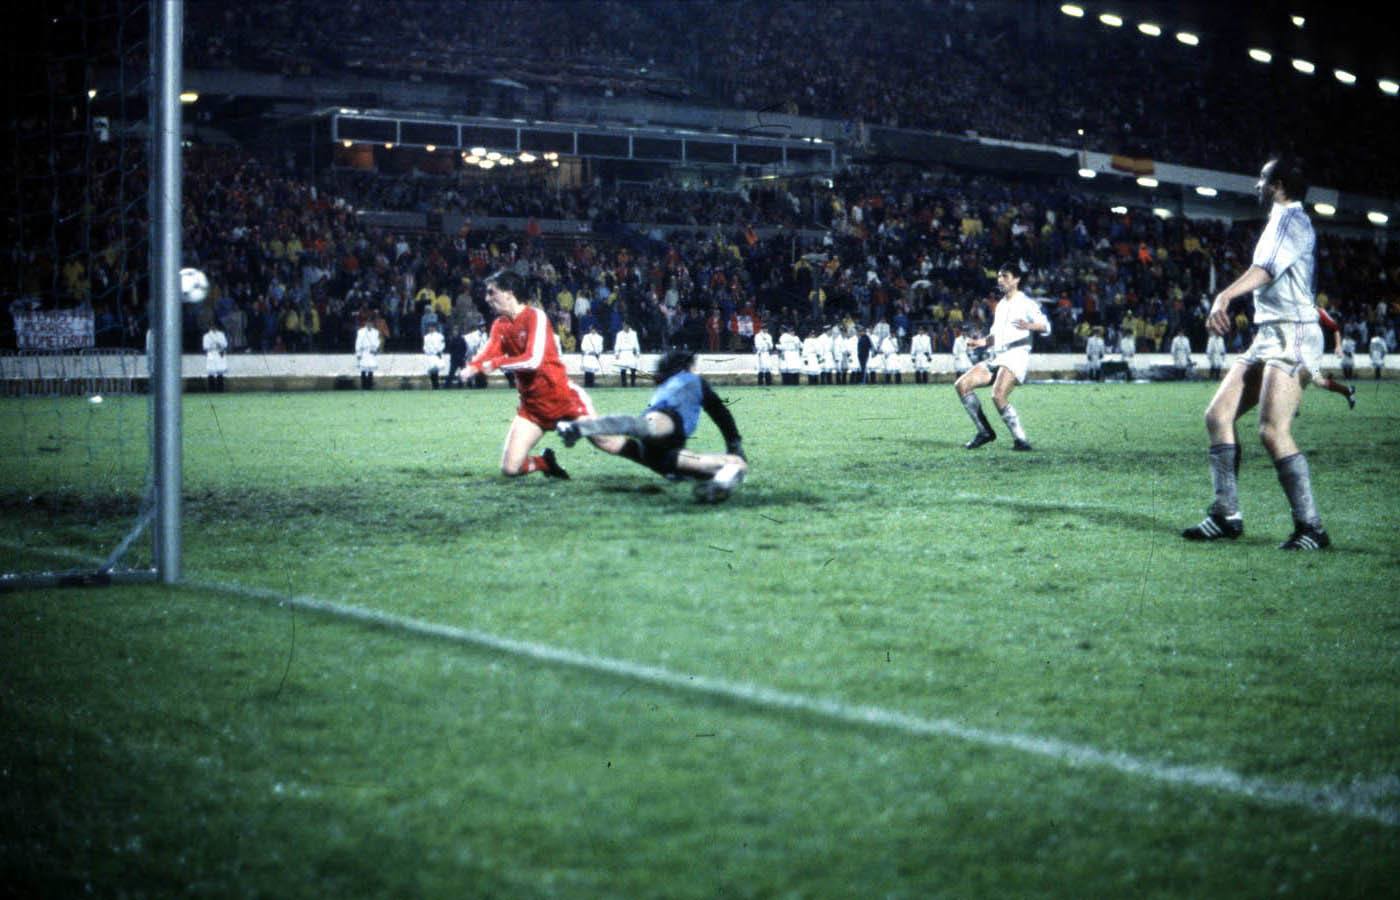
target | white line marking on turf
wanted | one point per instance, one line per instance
(1357, 802)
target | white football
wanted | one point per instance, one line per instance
(194, 285)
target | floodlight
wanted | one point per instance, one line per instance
(1377, 218)
(1259, 55)
(1111, 20)
(1206, 191)
(1324, 209)
(1188, 38)
(1087, 173)
(1302, 65)
(1074, 12)
(1150, 29)
(1147, 181)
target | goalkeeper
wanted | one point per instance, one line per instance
(657, 438)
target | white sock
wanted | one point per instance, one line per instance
(1013, 421)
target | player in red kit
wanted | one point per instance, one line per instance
(522, 344)
(1327, 381)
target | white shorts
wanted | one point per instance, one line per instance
(1017, 359)
(1293, 347)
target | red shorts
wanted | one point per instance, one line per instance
(548, 410)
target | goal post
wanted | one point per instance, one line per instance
(167, 25)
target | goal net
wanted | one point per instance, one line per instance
(74, 411)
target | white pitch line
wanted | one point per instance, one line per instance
(1356, 803)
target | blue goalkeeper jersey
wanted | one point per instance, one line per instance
(683, 394)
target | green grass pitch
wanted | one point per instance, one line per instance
(199, 742)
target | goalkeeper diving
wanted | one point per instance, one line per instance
(657, 438)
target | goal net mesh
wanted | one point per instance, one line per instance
(74, 443)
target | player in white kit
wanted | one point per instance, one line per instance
(1285, 355)
(1015, 319)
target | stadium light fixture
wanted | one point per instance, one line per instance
(1262, 56)
(1087, 173)
(92, 94)
(506, 161)
(188, 97)
(478, 151)
(470, 159)
(486, 163)
(1188, 38)
(1389, 86)
(1377, 218)
(1118, 210)
(388, 145)
(1298, 21)
(1344, 76)
(431, 148)
(347, 143)
(551, 156)
(494, 155)
(1302, 65)
(1150, 29)
(554, 163)
(1074, 12)
(527, 157)
(1161, 212)
(1324, 209)
(1147, 181)
(1111, 20)
(1206, 191)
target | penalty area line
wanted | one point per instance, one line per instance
(1357, 802)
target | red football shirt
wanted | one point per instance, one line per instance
(525, 347)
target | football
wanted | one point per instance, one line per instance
(194, 285)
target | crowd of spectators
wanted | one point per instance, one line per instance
(298, 269)
(295, 267)
(947, 66)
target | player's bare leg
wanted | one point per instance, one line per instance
(1280, 396)
(1001, 396)
(515, 456)
(1237, 394)
(977, 376)
(1348, 391)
